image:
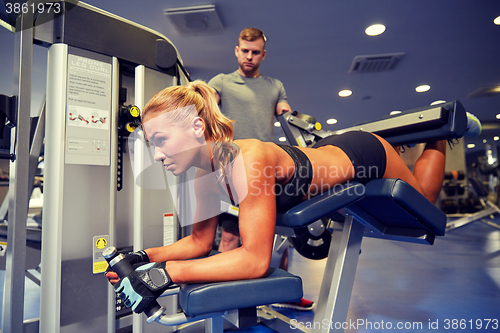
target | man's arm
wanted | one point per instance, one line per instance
(216, 83)
(282, 107)
(217, 97)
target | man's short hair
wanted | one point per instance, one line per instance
(252, 34)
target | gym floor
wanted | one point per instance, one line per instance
(446, 287)
(453, 285)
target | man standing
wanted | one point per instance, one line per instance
(247, 97)
(252, 100)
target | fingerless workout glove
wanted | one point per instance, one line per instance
(144, 285)
(134, 258)
(137, 257)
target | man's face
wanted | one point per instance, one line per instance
(249, 55)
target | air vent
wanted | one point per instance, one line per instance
(195, 20)
(375, 63)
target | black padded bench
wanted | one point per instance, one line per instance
(385, 208)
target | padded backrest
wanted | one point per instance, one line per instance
(397, 208)
(321, 205)
(391, 206)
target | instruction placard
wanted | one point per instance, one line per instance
(168, 229)
(88, 111)
(99, 243)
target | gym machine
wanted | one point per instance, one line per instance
(428, 123)
(481, 204)
(419, 125)
(382, 208)
(98, 66)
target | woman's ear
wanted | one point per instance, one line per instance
(199, 127)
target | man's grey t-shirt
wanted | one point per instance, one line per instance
(250, 102)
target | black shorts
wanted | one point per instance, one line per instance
(365, 151)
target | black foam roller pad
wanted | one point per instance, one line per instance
(165, 54)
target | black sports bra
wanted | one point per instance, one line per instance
(296, 188)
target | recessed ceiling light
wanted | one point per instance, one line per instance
(498, 116)
(422, 88)
(345, 93)
(394, 112)
(471, 145)
(497, 20)
(484, 141)
(331, 121)
(438, 102)
(496, 138)
(374, 30)
(282, 139)
(488, 91)
(277, 124)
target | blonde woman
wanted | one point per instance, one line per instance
(187, 129)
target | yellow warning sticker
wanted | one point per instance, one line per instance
(3, 248)
(100, 266)
(101, 243)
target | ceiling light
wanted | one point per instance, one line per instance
(374, 30)
(394, 112)
(471, 145)
(498, 116)
(282, 139)
(488, 91)
(438, 102)
(497, 20)
(496, 138)
(345, 93)
(277, 124)
(423, 88)
(484, 141)
(331, 121)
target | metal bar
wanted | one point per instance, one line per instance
(292, 133)
(491, 204)
(50, 291)
(138, 221)
(278, 322)
(491, 224)
(470, 218)
(115, 86)
(214, 325)
(13, 300)
(36, 147)
(401, 123)
(338, 279)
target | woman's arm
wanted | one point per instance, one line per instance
(205, 219)
(257, 216)
(251, 260)
(197, 244)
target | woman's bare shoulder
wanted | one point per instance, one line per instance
(256, 148)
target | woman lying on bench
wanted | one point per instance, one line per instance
(187, 129)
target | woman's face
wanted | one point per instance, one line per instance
(176, 146)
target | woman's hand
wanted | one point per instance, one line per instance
(134, 258)
(112, 277)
